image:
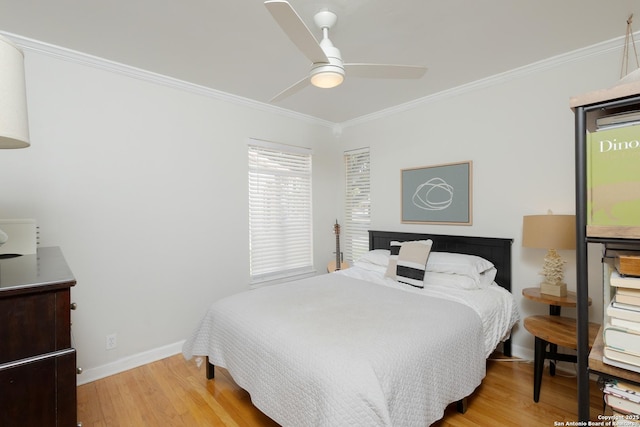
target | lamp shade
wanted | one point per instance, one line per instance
(549, 231)
(14, 126)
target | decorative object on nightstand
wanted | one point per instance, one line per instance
(550, 232)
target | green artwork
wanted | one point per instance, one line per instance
(613, 176)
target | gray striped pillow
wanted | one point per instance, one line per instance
(412, 262)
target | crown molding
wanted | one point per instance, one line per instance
(31, 45)
(65, 54)
(536, 67)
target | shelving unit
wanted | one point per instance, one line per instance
(587, 108)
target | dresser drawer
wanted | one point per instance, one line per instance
(36, 323)
(39, 392)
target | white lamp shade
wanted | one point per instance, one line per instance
(14, 125)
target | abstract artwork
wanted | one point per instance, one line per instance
(439, 194)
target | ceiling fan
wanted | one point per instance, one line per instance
(327, 68)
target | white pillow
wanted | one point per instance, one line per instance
(454, 280)
(460, 281)
(376, 257)
(370, 266)
(487, 277)
(453, 263)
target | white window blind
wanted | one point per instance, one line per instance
(280, 222)
(357, 204)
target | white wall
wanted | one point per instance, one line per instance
(144, 188)
(518, 130)
(144, 185)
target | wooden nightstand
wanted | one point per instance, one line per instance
(552, 330)
(555, 303)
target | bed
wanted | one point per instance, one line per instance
(359, 348)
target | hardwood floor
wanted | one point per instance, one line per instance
(174, 392)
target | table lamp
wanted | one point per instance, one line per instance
(14, 126)
(550, 232)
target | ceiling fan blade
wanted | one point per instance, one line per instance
(296, 29)
(385, 71)
(301, 84)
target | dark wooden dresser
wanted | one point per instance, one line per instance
(37, 362)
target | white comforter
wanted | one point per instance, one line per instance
(333, 350)
(495, 305)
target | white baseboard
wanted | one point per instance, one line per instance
(124, 364)
(521, 352)
(159, 353)
(566, 368)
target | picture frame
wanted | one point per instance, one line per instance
(613, 181)
(438, 194)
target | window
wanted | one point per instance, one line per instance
(280, 226)
(357, 204)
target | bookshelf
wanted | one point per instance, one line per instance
(589, 110)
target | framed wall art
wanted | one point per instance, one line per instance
(440, 194)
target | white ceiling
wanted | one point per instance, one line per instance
(235, 46)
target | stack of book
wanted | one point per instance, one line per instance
(624, 400)
(621, 333)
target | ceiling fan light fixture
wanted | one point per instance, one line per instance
(327, 68)
(328, 75)
(327, 79)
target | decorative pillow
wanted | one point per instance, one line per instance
(376, 257)
(453, 263)
(412, 261)
(394, 250)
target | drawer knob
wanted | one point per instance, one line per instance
(78, 371)
(74, 306)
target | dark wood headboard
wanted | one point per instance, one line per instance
(495, 249)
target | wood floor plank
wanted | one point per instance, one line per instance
(175, 392)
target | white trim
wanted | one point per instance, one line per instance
(30, 45)
(545, 64)
(255, 284)
(521, 352)
(357, 150)
(129, 362)
(277, 146)
(527, 355)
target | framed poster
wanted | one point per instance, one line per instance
(613, 182)
(440, 194)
